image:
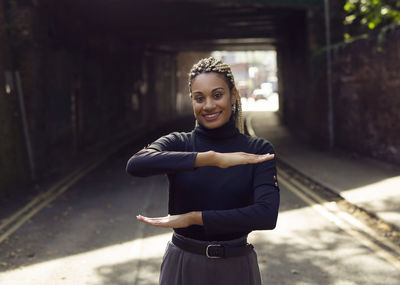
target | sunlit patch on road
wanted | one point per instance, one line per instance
(305, 249)
(381, 197)
(124, 263)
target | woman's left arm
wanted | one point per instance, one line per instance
(261, 215)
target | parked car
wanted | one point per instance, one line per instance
(262, 93)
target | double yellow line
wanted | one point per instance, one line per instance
(346, 222)
(13, 223)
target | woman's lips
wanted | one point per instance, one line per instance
(211, 117)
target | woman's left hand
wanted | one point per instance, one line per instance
(174, 221)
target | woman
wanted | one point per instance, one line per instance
(222, 185)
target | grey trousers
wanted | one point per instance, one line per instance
(180, 267)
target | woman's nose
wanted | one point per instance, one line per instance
(210, 104)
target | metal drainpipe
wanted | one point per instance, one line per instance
(28, 144)
(13, 77)
(331, 133)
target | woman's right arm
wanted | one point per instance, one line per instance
(147, 162)
(166, 155)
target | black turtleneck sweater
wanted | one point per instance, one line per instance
(234, 200)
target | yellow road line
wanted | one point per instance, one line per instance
(49, 199)
(36, 200)
(34, 206)
(332, 207)
(341, 221)
(49, 196)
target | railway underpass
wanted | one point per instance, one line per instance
(104, 80)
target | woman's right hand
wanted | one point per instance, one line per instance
(224, 160)
(229, 159)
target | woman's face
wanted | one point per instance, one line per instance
(212, 100)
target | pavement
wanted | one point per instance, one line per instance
(365, 182)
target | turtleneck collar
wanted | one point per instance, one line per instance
(225, 131)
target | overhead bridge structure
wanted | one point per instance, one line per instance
(182, 25)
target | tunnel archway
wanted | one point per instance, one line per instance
(111, 68)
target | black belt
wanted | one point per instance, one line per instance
(213, 250)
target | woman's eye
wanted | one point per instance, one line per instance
(218, 95)
(198, 99)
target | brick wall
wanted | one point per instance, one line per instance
(367, 96)
(79, 92)
(365, 86)
(12, 148)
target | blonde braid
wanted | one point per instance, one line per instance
(210, 64)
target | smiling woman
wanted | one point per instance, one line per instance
(212, 100)
(219, 75)
(222, 185)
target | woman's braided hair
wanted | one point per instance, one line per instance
(211, 64)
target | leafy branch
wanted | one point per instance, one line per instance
(364, 16)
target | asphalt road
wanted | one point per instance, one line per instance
(89, 235)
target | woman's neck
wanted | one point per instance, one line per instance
(227, 130)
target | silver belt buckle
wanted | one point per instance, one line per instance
(210, 245)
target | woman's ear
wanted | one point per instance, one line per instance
(234, 96)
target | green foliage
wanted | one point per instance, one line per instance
(364, 16)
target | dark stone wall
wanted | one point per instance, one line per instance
(12, 148)
(293, 83)
(365, 90)
(78, 95)
(367, 96)
(301, 59)
(317, 124)
(75, 99)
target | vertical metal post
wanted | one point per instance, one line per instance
(331, 134)
(25, 124)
